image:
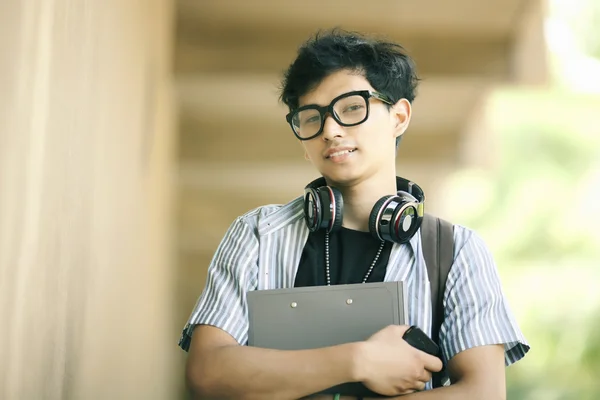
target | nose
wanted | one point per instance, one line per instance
(331, 129)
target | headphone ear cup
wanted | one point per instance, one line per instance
(326, 202)
(406, 219)
(395, 218)
(375, 217)
(323, 208)
(338, 209)
(313, 209)
(331, 208)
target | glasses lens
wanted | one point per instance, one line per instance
(306, 123)
(351, 110)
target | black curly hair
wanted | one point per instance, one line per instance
(385, 65)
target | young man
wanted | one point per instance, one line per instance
(350, 102)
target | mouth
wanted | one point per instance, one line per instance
(340, 153)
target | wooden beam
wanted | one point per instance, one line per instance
(493, 17)
(264, 51)
(530, 56)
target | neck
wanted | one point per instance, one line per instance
(360, 198)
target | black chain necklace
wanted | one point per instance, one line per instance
(327, 274)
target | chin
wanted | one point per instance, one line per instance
(341, 178)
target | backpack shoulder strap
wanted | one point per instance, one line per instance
(437, 237)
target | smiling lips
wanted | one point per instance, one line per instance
(339, 152)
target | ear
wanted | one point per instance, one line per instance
(401, 113)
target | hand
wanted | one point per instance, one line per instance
(390, 366)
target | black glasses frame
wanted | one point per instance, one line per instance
(324, 110)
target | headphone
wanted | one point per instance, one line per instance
(394, 218)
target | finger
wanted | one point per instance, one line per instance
(400, 329)
(415, 386)
(431, 363)
(425, 376)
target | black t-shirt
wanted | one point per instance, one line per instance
(351, 253)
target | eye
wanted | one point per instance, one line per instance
(312, 119)
(353, 107)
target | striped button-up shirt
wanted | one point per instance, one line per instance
(262, 250)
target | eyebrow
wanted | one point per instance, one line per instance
(329, 102)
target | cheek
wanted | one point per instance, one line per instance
(379, 123)
(375, 134)
(311, 150)
(378, 141)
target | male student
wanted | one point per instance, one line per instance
(349, 99)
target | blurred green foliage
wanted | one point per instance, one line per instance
(583, 17)
(538, 208)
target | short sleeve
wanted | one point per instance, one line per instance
(476, 310)
(232, 272)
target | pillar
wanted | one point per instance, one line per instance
(86, 153)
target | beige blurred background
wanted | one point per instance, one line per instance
(132, 133)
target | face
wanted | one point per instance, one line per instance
(348, 155)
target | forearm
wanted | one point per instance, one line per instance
(242, 372)
(457, 391)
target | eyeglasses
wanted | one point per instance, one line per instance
(348, 109)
